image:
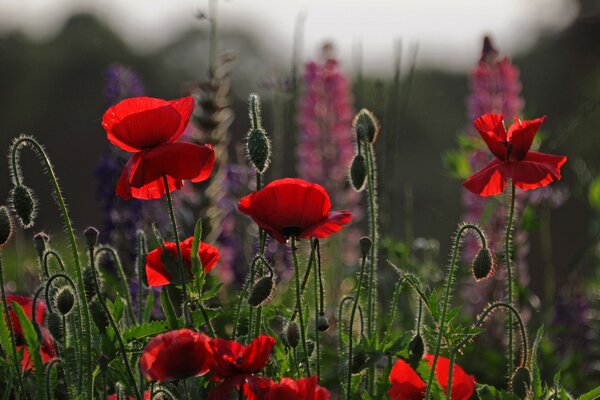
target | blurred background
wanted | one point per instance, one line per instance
(422, 67)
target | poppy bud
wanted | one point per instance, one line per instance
(292, 335)
(366, 126)
(88, 282)
(258, 148)
(365, 245)
(416, 349)
(262, 291)
(521, 382)
(484, 264)
(322, 322)
(24, 205)
(91, 237)
(358, 172)
(40, 242)
(359, 359)
(55, 326)
(65, 301)
(98, 315)
(5, 226)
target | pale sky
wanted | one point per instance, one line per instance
(448, 32)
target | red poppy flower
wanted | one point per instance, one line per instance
(177, 354)
(408, 385)
(259, 388)
(294, 207)
(157, 273)
(234, 363)
(527, 169)
(114, 396)
(149, 127)
(47, 351)
(27, 304)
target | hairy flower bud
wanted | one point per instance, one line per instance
(98, 315)
(65, 300)
(322, 322)
(40, 243)
(5, 226)
(54, 321)
(366, 126)
(358, 361)
(484, 264)
(262, 291)
(24, 205)
(521, 382)
(88, 282)
(292, 335)
(365, 245)
(91, 237)
(416, 349)
(258, 147)
(358, 172)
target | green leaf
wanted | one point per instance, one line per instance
(149, 305)
(536, 383)
(116, 308)
(144, 330)
(33, 344)
(485, 392)
(5, 340)
(212, 292)
(594, 194)
(423, 369)
(168, 309)
(196, 262)
(591, 395)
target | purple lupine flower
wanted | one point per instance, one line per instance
(325, 140)
(121, 82)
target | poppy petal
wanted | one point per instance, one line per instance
(491, 128)
(257, 354)
(334, 222)
(139, 123)
(535, 170)
(520, 135)
(463, 384)
(406, 383)
(489, 181)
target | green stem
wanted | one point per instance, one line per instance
(49, 170)
(299, 306)
(182, 271)
(141, 251)
(509, 278)
(311, 259)
(449, 281)
(316, 279)
(54, 254)
(450, 373)
(350, 327)
(11, 331)
(207, 320)
(122, 276)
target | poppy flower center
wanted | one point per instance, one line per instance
(290, 230)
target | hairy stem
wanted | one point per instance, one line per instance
(509, 278)
(299, 306)
(122, 276)
(11, 331)
(351, 325)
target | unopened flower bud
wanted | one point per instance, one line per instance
(292, 335)
(65, 300)
(24, 205)
(366, 126)
(416, 348)
(365, 245)
(358, 172)
(98, 315)
(359, 358)
(262, 291)
(258, 147)
(322, 322)
(484, 264)
(54, 321)
(91, 237)
(88, 282)
(40, 242)
(5, 226)
(521, 382)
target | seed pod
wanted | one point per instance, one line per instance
(358, 173)
(292, 335)
(98, 315)
(40, 243)
(359, 359)
(91, 237)
(55, 326)
(258, 148)
(366, 126)
(521, 382)
(322, 322)
(5, 226)
(24, 205)
(365, 245)
(484, 264)
(262, 291)
(65, 300)
(416, 348)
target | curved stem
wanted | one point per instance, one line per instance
(49, 170)
(11, 331)
(449, 281)
(509, 278)
(182, 272)
(351, 324)
(122, 276)
(54, 254)
(299, 306)
(311, 259)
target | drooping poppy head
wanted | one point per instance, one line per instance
(463, 384)
(527, 169)
(259, 388)
(47, 351)
(292, 207)
(406, 383)
(175, 355)
(149, 128)
(232, 358)
(27, 304)
(158, 274)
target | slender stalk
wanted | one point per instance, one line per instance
(316, 279)
(449, 281)
(54, 254)
(311, 259)
(122, 276)
(509, 278)
(11, 331)
(141, 251)
(450, 373)
(182, 271)
(207, 320)
(350, 326)
(49, 170)
(299, 306)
